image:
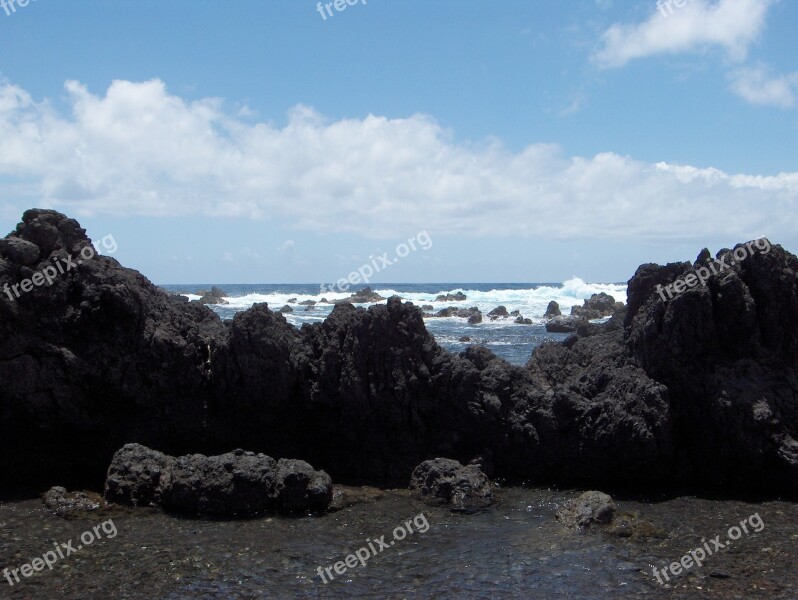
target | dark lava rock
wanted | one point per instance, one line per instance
(596, 307)
(499, 311)
(286, 309)
(215, 296)
(522, 321)
(464, 338)
(300, 488)
(236, 484)
(426, 307)
(309, 302)
(135, 474)
(474, 318)
(515, 313)
(69, 504)
(291, 301)
(590, 509)
(364, 296)
(445, 481)
(564, 324)
(457, 297)
(552, 310)
(696, 389)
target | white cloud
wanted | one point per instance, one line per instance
(699, 24)
(758, 86)
(139, 150)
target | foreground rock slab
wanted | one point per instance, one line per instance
(236, 484)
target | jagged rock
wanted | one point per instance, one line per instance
(588, 510)
(214, 296)
(426, 307)
(457, 297)
(286, 309)
(291, 301)
(134, 476)
(596, 307)
(695, 389)
(515, 313)
(300, 488)
(552, 310)
(364, 296)
(564, 324)
(498, 312)
(446, 481)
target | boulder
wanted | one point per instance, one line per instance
(286, 309)
(445, 481)
(236, 484)
(300, 488)
(564, 324)
(588, 510)
(309, 302)
(456, 297)
(214, 296)
(552, 310)
(596, 307)
(364, 296)
(499, 312)
(134, 476)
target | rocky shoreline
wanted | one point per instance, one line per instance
(695, 390)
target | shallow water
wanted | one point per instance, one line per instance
(515, 550)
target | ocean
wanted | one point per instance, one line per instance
(507, 339)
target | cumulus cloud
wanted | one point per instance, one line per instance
(759, 86)
(139, 150)
(697, 25)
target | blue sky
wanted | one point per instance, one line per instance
(256, 142)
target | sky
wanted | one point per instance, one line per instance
(279, 141)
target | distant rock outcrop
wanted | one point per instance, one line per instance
(552, 310)
(214, 296)
(596, 307)
(456, 297)
(364, 296)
